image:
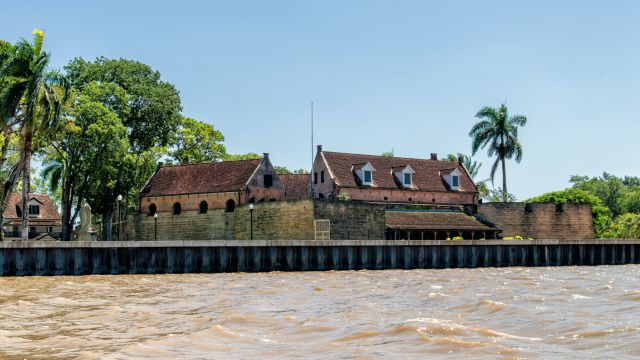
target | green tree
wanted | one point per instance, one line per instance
(147, 107)
(390, 153)
(280, 170)
(34, 95)
(472, 166)
(609, 188)
(247, 156)
(499, 132)
(197, 142)
(601, 214)
(85, 155)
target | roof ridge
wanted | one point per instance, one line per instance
(389, 157)
(211, 162)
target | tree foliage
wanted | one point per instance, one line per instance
(196, 142)
(498, 132)
(32, 96)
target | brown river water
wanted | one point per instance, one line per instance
(507, 313)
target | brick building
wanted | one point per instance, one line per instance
(44, 220)
(196, 188)
(392, 179)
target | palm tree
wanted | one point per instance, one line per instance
(34, 92)
(471, 165)
(499, 131)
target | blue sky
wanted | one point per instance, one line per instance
(401, 75)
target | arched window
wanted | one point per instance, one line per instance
(152, 209)
(177, 209)
(231, 206)
(204, 207)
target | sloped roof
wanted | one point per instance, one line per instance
(226, 176)
(427, 220)
(296, 186)
(47, 210)
(428, 174)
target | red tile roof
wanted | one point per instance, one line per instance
(296, 186)
(426, 220)
(428, 174)
(47, 210)
(226, 176)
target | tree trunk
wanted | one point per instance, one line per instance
(26, 183)
(107, 223)
(67, 227)
(504, 182)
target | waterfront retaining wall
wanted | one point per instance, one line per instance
(157, 257)
(540, 220)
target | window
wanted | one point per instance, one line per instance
(231, 206)
(407, 179)
(268, 181)
(322, 176)
(455, 181)
(34, 210)
(18, 211)
(315, 177)
(204, 207)
(177, 209)
(152, 209)
(50, 229)
(367, 176)
(32, 229)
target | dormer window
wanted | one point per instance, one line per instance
(452, 177)
(34, 210)
(364, 171)
(404, 175)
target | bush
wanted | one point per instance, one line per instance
(508, 238)
(458, 238)
(344, 197)
(518, 237)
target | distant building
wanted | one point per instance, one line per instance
(296, 186)
(44, 220)
(219, 185)
(392, 179)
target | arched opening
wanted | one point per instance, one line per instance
(152, 209)
(177, 209)
(320, 196)
(252, 200)
(231, 206)
(204, 207)
(261, 200)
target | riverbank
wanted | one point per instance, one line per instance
(158, 257)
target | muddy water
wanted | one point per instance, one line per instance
(570, 312)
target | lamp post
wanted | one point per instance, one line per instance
(119, 198)
(155, 227)
(251, 217)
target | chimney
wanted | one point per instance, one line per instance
(160, 165)
(265, 156)
(319, 148)
(461, 159)
(434, 156)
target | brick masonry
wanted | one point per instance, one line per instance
(352, 220)
(540, 221)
